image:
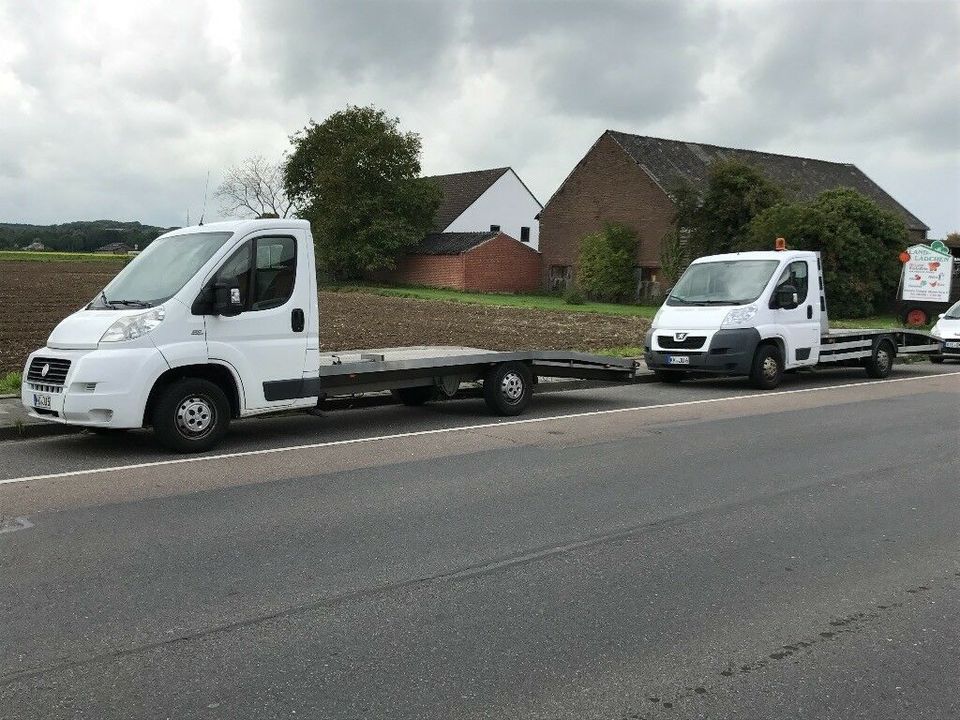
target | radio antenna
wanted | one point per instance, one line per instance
(205, 188)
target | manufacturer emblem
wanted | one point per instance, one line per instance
(44, 370)
(680, 337)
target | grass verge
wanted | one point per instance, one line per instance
(10, 383)
(532, 302)
(29, 256)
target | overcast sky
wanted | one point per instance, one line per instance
(117, 109)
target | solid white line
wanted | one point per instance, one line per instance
(459, 428)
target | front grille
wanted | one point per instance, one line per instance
(37, 387)
(56, 371)
(690, 342)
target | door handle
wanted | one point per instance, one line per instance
(297, 320)
(809, 312)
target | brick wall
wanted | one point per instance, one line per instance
(502, 264)
(431, 270)
(606, 186)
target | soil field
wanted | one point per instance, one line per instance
(35, 296)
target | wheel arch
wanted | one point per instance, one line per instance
(222, 375)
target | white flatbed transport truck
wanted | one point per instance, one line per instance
(760, 314)
(221, 321)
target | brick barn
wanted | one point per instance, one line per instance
(474, 261)
(627, 179)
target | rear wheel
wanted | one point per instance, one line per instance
(670, 376)
(767, 370)
(191, 415)
(414, 396)
(880, 363)
(508, 387)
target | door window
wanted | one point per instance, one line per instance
(268, 282)
(795, 274)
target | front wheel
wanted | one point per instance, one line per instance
(880, 363)
(190, 415)
(936, 359)
(508, 387)
(767, 370)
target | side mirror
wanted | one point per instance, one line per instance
(226, 300)
(786, 297)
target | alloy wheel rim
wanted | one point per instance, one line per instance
(883, 360)
(770, 368)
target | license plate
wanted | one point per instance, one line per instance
(953, 345)
(678, 359)
(42, 402)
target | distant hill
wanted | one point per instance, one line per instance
(80, 236)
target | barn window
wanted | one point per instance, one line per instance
(524, 234)
(494, 228)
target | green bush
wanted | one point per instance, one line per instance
(607, 259)
(573, 297)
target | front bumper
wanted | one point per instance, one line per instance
(728, 352)
(948, 352)
(103, 388)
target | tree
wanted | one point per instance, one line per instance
(606, 266)
(953, 239)
(355, 176)
(254, 187)
(858, 240)
(676, 246)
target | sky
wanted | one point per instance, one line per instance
(118, 109)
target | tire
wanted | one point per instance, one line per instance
(936, 359)
(414, 396)
(508, 387)
(190, 415)
(880, 363)
(916, 317)
(767, 369)
(670, 376)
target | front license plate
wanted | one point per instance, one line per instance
(42, 402)
(953, 345)
(678, 359)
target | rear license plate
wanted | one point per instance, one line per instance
(953, 345)
(42, 402)
(678, 359)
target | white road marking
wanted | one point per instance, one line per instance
(459, 428)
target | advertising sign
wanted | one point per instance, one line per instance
(927, 272)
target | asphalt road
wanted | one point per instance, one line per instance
(645, 551)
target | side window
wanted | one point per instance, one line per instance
(796, 274)
(276, 272)
(268, 282)
(524, 234)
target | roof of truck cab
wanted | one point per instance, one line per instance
(777, 255)
(243, 226)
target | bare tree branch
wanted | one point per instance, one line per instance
(254, 187)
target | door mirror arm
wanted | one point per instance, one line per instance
(786, 297)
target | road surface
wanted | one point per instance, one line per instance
(701, 551)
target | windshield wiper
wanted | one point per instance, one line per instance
(678, 299)
(132, 303)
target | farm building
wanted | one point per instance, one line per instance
(628, 179)
(115, 248)
(35, 246)
(488, 261)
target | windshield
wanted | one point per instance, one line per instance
(733, 282)
(953, 313)
(159, 272)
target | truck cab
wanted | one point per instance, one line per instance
(726, 309)
(217, 311)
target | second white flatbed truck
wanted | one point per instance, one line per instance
(759, 314)
(221, 321)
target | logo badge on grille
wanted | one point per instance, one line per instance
(44, 370)
(680, 337)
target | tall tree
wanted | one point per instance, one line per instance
(254, 188)
(355, 176)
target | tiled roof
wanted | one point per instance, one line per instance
(668, 161)
(461, 190)
(451, 243)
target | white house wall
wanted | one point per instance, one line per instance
(506, 203)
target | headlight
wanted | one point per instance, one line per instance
(133, 326)
(739, 316)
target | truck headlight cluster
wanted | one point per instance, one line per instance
(133, 326)
(739, 316)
